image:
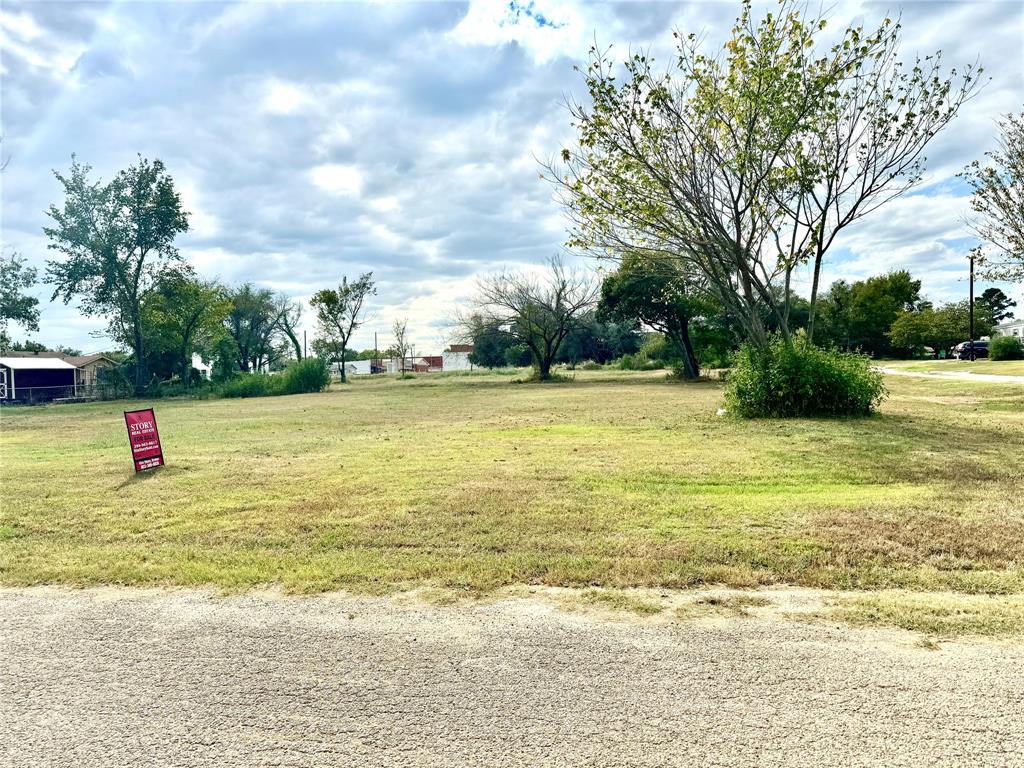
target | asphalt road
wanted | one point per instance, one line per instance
(119, 677)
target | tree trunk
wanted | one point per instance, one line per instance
(344, 378)
(814, 297)
(140, 361)
(681, 339)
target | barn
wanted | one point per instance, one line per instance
(36, 379)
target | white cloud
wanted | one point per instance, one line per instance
(337, 179)
(285, 98)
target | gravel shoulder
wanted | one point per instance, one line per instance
(188, 678)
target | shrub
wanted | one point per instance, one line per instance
(1005, 348)
(627, 363)
(253, 385)
(799, 379)
(309, 375)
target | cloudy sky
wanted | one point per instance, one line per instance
(312, 141)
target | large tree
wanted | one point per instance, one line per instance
(253, 323)
(999, 305)
(538, 312)
(184, 316)
(118, 240)
(16, 305)
(402, 345)
(998, 201)
(939, 328)
(858, 316)
(660, 295)
(289, 312)
(745, 165)
(339, 313)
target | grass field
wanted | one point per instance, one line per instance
(999, 367)
(614, 480)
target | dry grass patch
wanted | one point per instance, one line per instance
(940, 616)
(615, 480)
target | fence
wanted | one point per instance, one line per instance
(79, 392)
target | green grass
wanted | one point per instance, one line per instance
(999, 367)
(614, 480)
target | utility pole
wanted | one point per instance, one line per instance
(971, 307)
(376, 358)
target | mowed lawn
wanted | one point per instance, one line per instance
(615, 479)
(998, 367)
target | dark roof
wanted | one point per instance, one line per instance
(460, 348)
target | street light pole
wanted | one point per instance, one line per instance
(971, 307)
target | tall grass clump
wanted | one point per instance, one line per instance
(253, 385)
(800, 379)
(309, 375)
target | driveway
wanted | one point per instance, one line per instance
(178, 678)
(995, 378)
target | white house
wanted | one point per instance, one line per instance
(206, 371)
(1010, 328)
(456, 357)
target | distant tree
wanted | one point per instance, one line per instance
(184, 316)
(15, 305)
(253, 323)
(118, 239)
(401, 346)
(998, 201)
(859, 315)
(599, 340)
(489, 340)
(339, 313)
(35, 346)
(660, 295)
(538, 312)
(289, 312)
(998, 304)
(939, 328)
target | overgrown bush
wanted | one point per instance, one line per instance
(800, 379)
(1005, 348)
(253, 385)
(309, 375)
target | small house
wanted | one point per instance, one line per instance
(36, 379)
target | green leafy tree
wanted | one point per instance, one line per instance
(747, 164)
(490, 342)
(339, 313)
(599, 340)
(859, 315)
(184, 316)
(938, 328)
(254, 325)
(118, 240)
(998, 304)
(998, 202)
(289, 313)
(16, 305)
(657, 293)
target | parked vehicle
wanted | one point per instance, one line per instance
(962, 351)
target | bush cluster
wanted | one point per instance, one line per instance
(800, 379)
(1005, 348)
(309, 375)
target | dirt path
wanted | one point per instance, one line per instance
(996, 378)
(118, 677)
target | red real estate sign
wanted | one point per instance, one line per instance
(144, 439)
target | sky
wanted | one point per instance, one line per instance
(316, 140)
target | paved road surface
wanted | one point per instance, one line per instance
(119, 678)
